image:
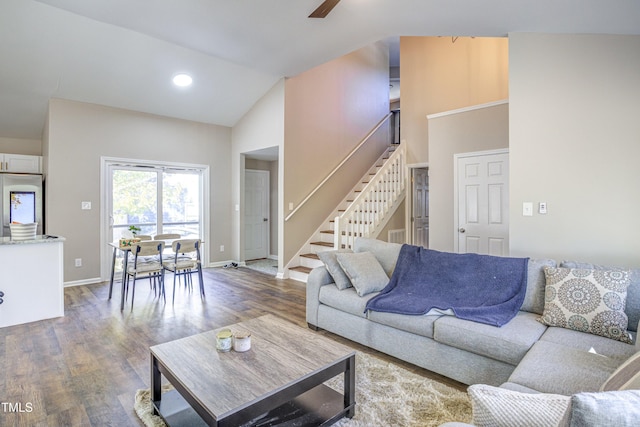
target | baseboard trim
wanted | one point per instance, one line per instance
(82, 282)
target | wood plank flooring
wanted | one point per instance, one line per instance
(84, 369)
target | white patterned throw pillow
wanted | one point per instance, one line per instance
(586, 300)
(499, 407)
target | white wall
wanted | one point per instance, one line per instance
(459, 131)
(575, 144)
(262, 127)
(78, 135)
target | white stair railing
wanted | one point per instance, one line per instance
(367, 212)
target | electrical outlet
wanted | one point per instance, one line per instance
(85, 206)
(78, 262)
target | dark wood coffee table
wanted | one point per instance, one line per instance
(277, 382)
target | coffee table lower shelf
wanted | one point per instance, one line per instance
(320, 406)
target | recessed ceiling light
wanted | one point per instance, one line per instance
(182, 80)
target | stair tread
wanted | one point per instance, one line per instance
(311, 256)
(325, 244)
(327, 232)
(301, 269)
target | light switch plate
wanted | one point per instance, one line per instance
(527, 209)
(86, 206)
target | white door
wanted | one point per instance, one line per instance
(483, 203)
(420, 203)
(256, 214)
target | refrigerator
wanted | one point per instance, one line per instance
(22, 201)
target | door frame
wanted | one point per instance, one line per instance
(408, 211)
(413, 194)
(106, 251)
(456, 157)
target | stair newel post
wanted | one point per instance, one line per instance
(336, 233)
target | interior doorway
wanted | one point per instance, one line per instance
(256, 214)
(420, 206)
(259, 199)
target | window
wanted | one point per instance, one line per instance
(155, 198)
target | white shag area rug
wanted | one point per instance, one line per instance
(386, 395)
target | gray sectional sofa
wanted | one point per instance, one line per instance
(524, 355)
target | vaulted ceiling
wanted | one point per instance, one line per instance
(123, 53)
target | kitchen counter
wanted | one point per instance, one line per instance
(31, 279)
(38, 239)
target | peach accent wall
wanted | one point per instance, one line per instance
(328, 111)
(32, 147)
(437, 75)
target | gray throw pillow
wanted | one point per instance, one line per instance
(386, 253)
(364, 271)
(331, 263)
(534, 297)
(612, 408)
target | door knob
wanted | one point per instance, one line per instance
(265, 219)
(461, 229)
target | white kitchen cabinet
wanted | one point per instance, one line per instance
(20, 163)
(31, 280)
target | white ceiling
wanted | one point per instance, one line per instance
(123, 53)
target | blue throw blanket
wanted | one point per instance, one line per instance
(483, 288)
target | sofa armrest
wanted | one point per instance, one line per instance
(318, 278)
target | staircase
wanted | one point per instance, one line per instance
(364, 212)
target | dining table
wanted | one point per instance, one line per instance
(125, 254)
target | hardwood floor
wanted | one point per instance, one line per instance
(83, 369)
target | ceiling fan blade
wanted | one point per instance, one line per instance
(324, 9)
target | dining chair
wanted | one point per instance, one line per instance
(143, 237)
(147, 260)
(168, 236)
(185, 262)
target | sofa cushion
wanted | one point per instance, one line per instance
(614, 408)
(385, 253)
(587, 300)
(499, 407)
(633, 291)
(554, 368)
(333, 267)
(534, 298)
(346, 300)
(419, 325)
(364, 271)
(626, 377)
(508, 343)
(588, 342)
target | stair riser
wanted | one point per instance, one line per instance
(311, 263)
(299, 276)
